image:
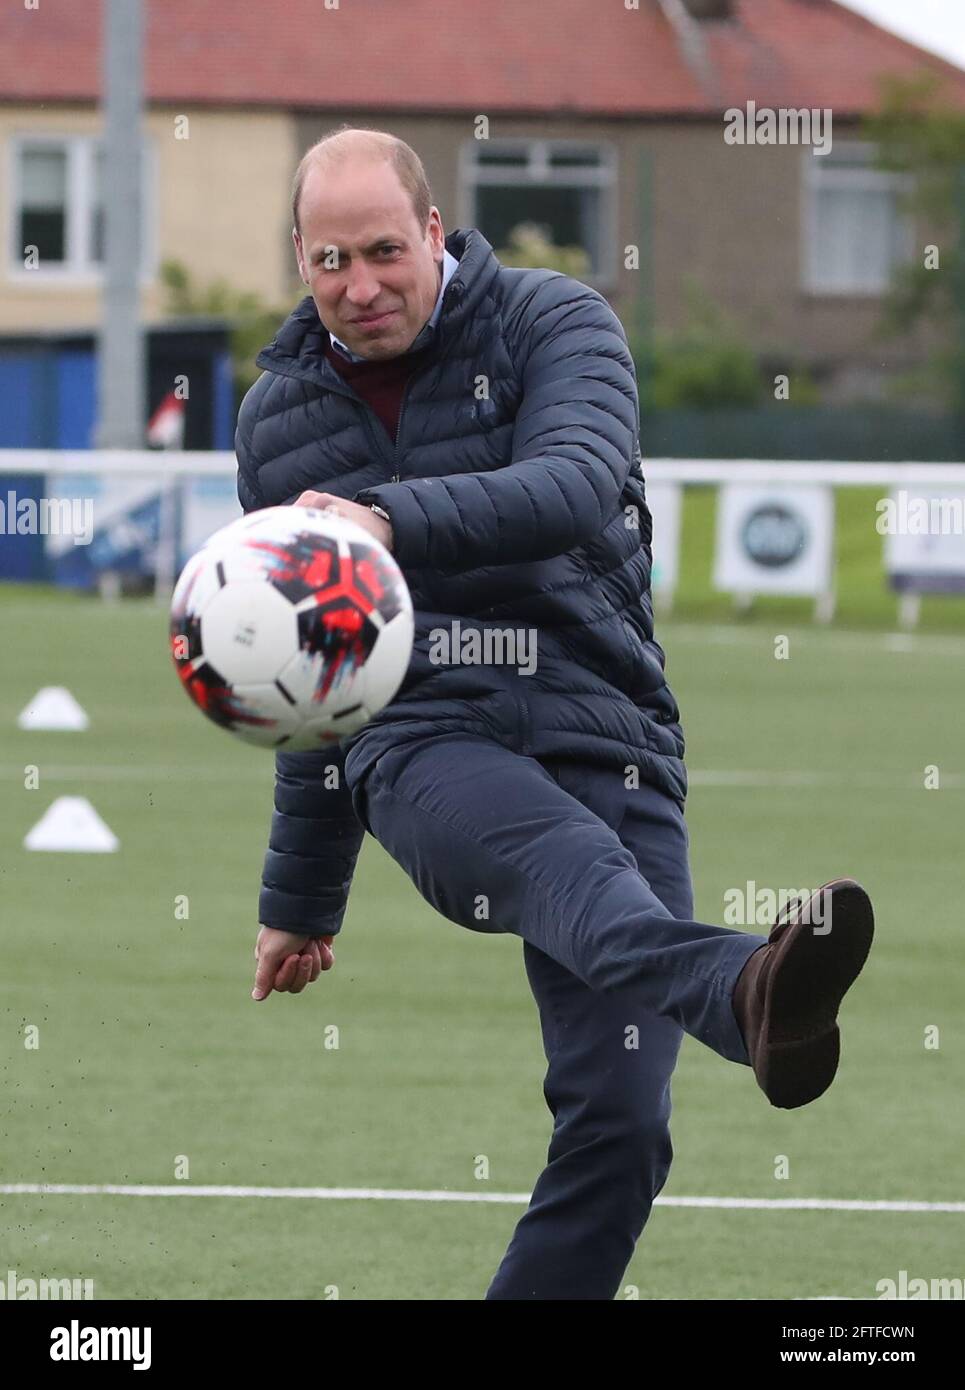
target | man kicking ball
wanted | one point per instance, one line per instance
(483, 422)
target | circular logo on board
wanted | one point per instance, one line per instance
(773, 535)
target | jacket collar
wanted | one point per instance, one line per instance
(298, 348)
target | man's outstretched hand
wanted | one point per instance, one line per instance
(352, 511)
(288, 963)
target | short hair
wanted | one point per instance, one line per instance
(363, 142)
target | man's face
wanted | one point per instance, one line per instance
(385, 264)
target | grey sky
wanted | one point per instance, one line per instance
(935, 24)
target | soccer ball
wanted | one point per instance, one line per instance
(291, 627)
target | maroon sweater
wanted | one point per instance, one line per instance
(380, 384)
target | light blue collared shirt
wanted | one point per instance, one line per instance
(449, 266)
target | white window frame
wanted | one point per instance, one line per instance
(819, 174)
(539, 171)
(77, 268)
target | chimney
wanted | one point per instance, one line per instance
(710, 9)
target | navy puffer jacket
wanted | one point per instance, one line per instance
(523, 510)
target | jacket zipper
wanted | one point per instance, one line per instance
(525, 728)
(376, 428)
(398, 430)
(443, 352)
(370, 414)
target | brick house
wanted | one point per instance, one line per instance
(605, 123)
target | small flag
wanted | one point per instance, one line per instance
(165, 428)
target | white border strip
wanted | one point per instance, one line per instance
(386, 1194)
(182, 463)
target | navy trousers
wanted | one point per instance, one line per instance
(594, 877)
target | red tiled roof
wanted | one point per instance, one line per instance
(458, 55)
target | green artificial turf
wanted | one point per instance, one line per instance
(151, 1051)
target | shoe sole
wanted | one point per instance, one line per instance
(799, 1044)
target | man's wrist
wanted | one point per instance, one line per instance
(387, 536)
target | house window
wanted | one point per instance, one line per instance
(43, 202)
(58, 207)
(565, 187)
(856, 230)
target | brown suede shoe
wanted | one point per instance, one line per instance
(787, 996)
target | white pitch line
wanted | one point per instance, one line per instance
(911, 643)
(131, 772)
(734, 781)
(390, 1194)
(809, 1204)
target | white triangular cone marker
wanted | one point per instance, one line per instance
(71, 823)
(53, 707)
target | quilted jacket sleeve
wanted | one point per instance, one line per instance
(315, 835)
(249, 491)
(313, 845)
(575, 439)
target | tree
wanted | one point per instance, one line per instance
(918, 134)
(702, 366)
(253, 322)
(530, 245)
